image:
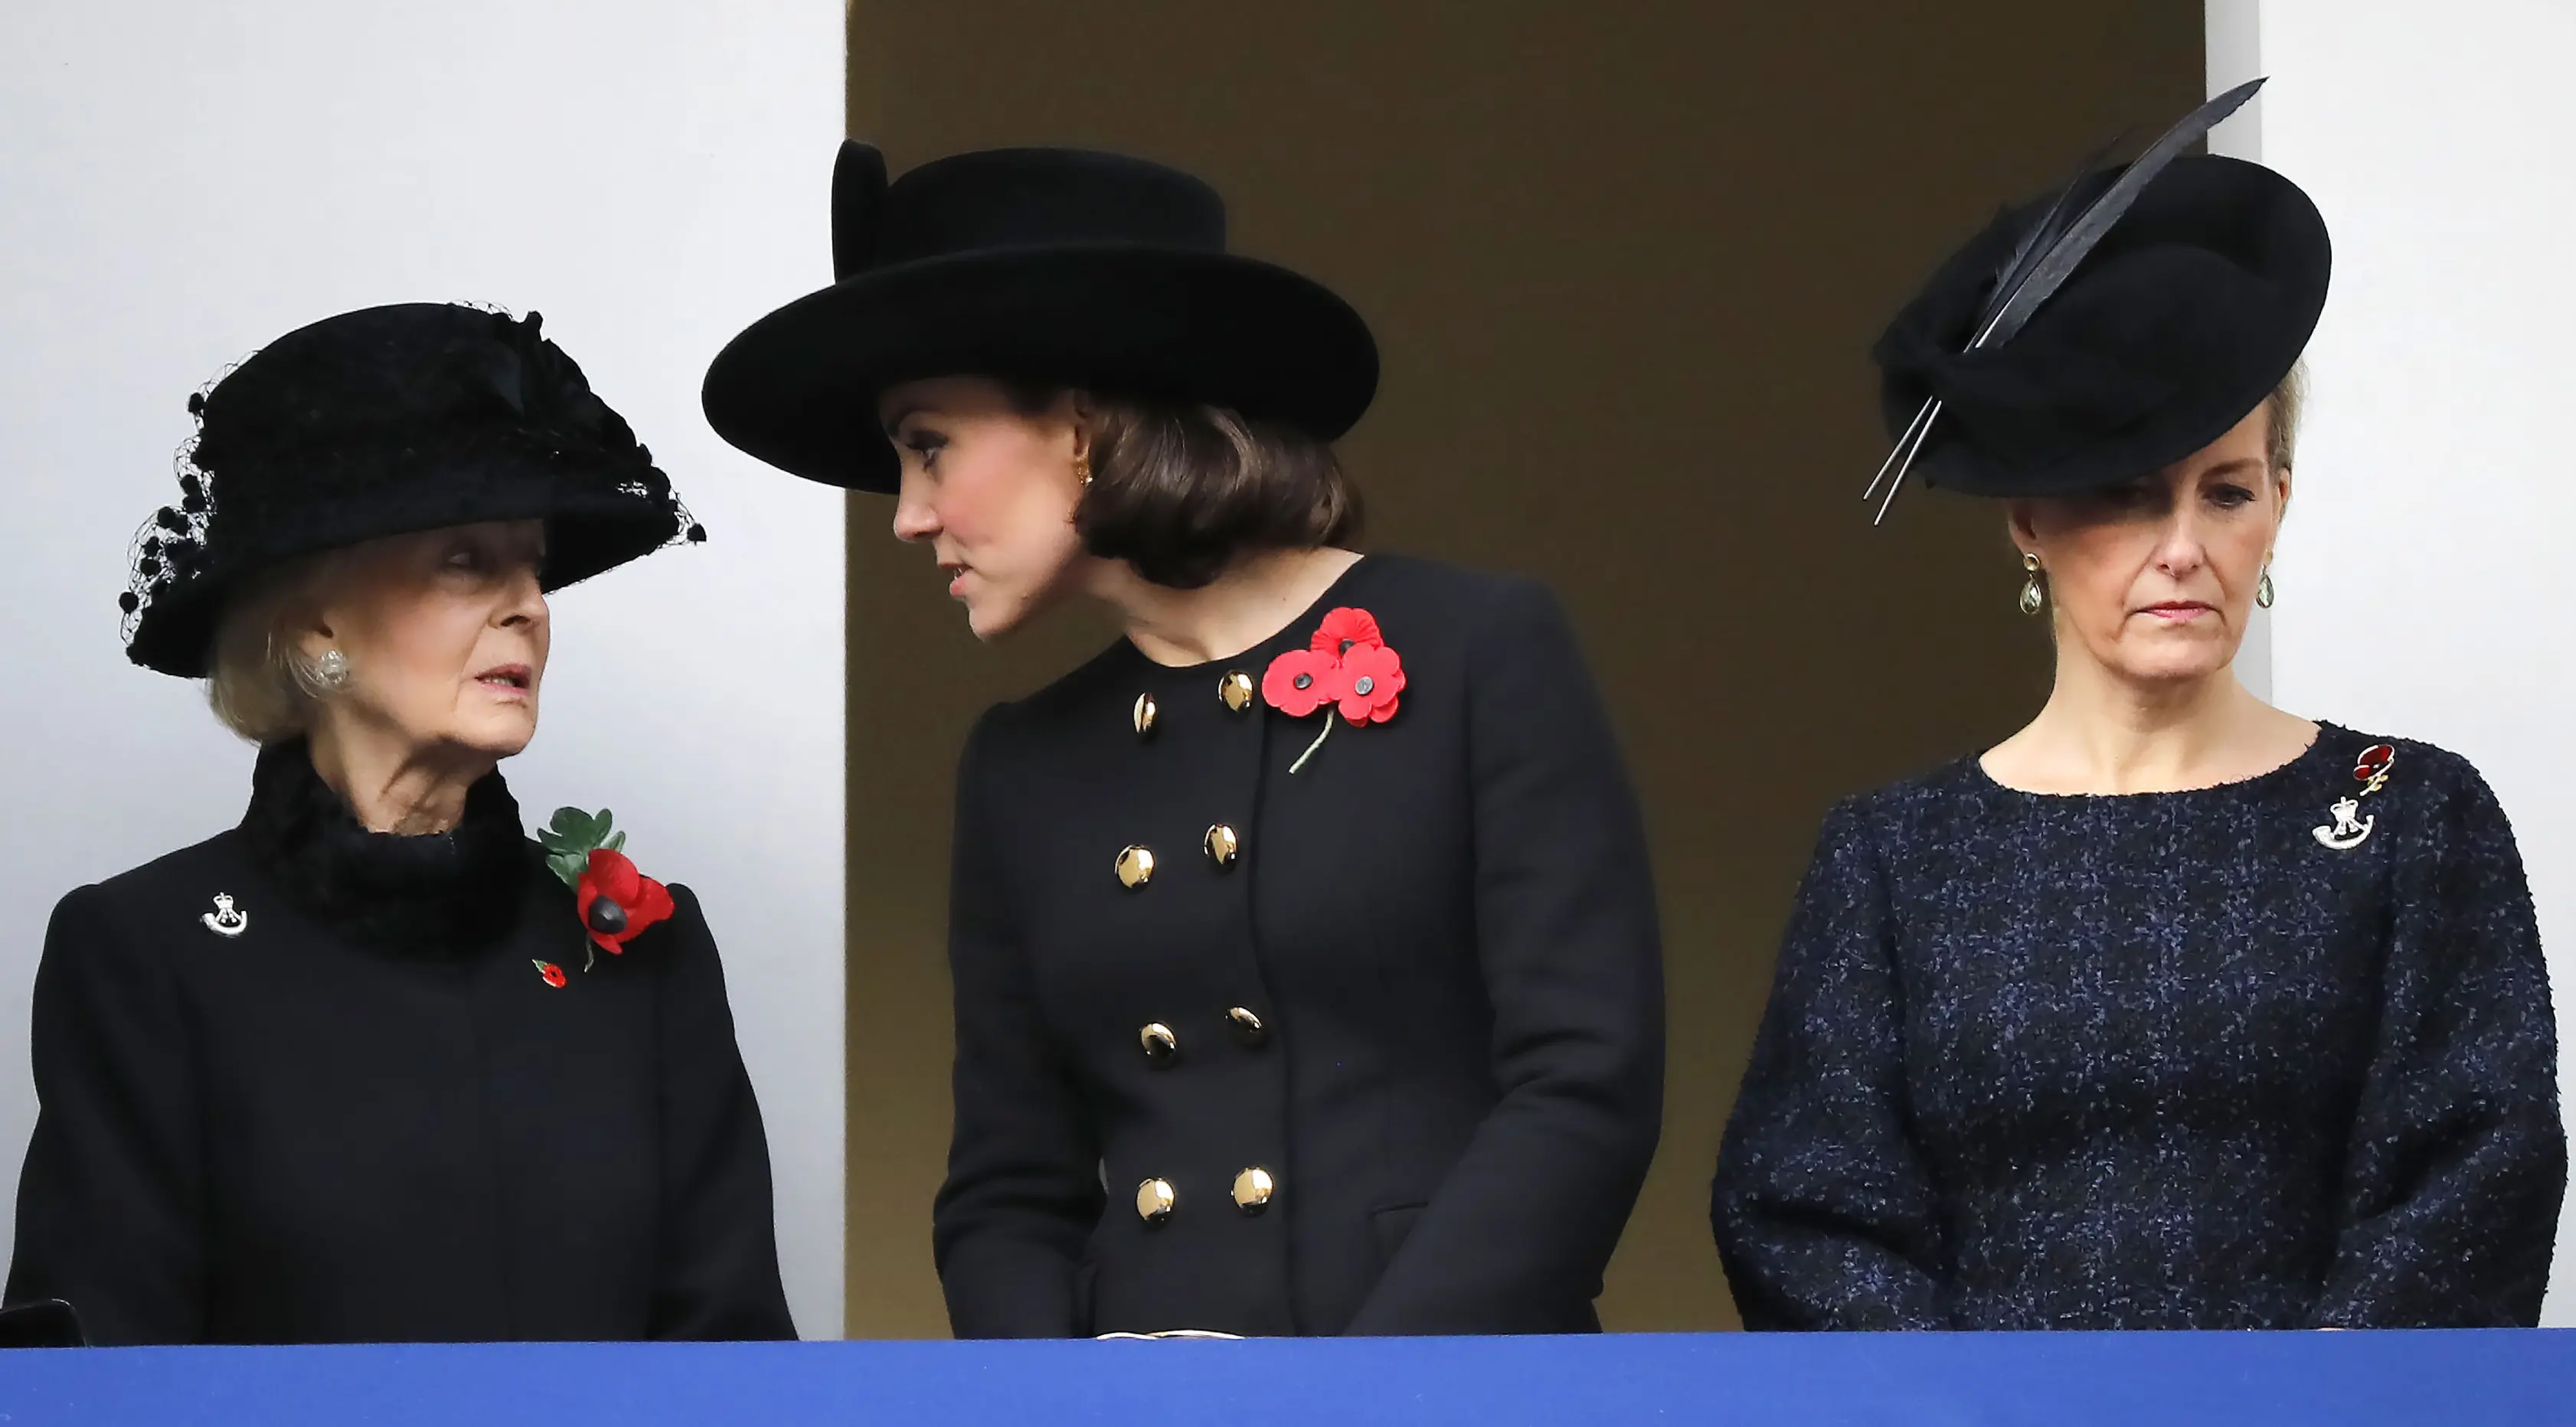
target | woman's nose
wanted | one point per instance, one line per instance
(2181, 549)
(915, 520)
(527, 599)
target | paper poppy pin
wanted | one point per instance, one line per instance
(1346, 666)
(616, 903)
(550, 973)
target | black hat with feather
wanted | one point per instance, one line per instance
(2103, 334)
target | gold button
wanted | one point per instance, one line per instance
(1236, 689)
(1144, 715)
(1155, 1200)
(1159, 1042)
(1247, 1027)
(1252, 1190)
(1135, 866)
(1222, 845)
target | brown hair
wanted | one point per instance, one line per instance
(1182, 490)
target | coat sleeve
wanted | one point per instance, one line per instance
(718, 1275)
(1824, 1212)
(1023, 1190)
(111, 1202)
(1517, 1235)
(2456, 1159)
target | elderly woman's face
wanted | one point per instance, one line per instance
(444, 633)
(991, 490)
(2154, 580)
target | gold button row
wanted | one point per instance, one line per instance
(1236, 691)
(1135, 864)
(1161, 1044)
(1254, 1188)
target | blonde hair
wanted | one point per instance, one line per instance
(261, 686)
(2282, 442)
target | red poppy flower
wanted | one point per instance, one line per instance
(2374, 761)
(552, 974)
(617, 902)
(1345, 630)
(1302, 681)
(1372, 677)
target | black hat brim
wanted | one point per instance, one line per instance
(588, 531)
(799, 388)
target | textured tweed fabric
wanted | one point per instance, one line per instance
(2225, 1058)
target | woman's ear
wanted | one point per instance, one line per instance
(2281, 494)
(1076, 408)
(2017, 525)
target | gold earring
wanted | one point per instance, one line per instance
(1082, 470)
(2033, 598)
(2263, 592)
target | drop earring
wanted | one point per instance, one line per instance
(2263, 593)
(1082, 471)
(2033, 598)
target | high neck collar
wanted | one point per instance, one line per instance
(453, 891)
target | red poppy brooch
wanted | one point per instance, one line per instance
(616, 903)
(1346, 666)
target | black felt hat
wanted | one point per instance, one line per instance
(1032, 265)
(381, 422)
(2180, 321)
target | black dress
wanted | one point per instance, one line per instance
(2234, 1058)
(1398, 1064)
(369, 1114)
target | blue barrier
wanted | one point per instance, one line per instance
(1925, 1380)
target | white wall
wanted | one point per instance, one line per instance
(180, 182)
(2428, 571)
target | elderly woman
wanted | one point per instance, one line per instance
(2173, 1009)
(1305, 954)
(374, 1065)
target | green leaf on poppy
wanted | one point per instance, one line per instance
(617, 843)
(569, 866)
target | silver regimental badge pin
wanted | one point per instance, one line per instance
(226, 919)
(2350, 826)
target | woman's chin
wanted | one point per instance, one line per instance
(991, 622)
(501, 735)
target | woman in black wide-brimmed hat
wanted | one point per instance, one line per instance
(1304, 946)
(2173, 1009)
(374, 1065)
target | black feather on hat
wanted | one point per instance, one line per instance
(1034, 265)
(380, 422)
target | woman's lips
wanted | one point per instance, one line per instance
(2177, 611)
(508, 681)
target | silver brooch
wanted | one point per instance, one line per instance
(2350, 827)
(226, 919)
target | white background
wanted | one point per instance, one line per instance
(2427, 585)
(181, 182)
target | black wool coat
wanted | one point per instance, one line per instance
(369, 1114)
(1397, 1067)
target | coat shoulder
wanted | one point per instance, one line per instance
(128, 915)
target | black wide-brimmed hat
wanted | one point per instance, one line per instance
(2187, 313)
(1037, 266)
(386, 421)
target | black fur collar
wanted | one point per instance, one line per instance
(454, 891)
